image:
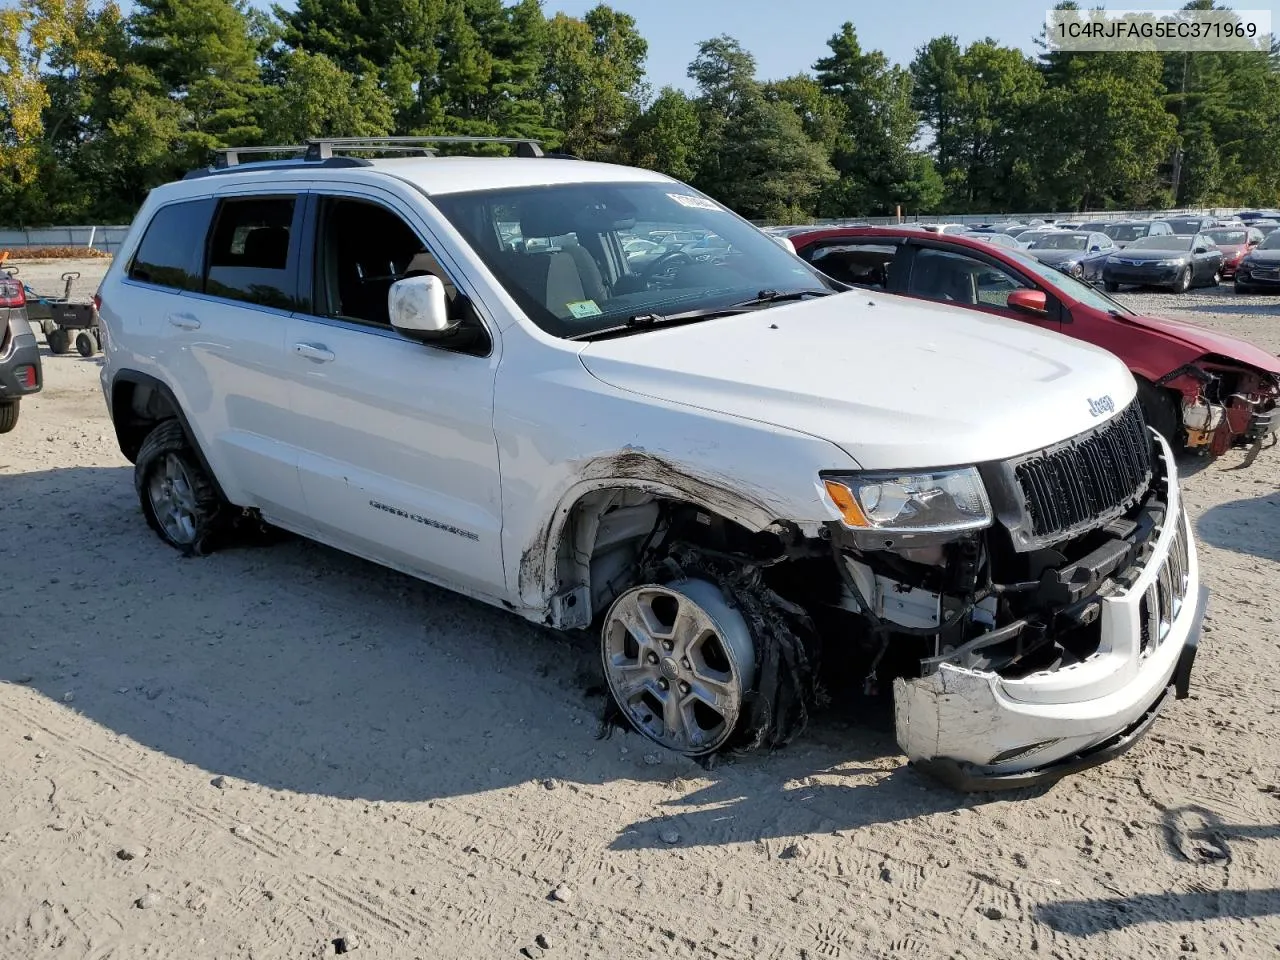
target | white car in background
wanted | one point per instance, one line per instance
(728, 466)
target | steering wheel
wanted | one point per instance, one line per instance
(666, 259)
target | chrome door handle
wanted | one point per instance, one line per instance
(184, 321)
(313, 351)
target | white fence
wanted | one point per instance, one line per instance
(99, 238)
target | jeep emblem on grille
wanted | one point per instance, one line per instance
(1103, 404)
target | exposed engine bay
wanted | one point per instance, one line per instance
(1224, 404)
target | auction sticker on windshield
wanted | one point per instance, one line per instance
(697, 203)
(581, 309)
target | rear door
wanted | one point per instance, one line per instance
(397, 454)
(213, 283)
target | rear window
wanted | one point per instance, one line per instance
(249, 253)
(1186, 227)
(172, 250)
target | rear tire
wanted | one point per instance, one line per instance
(8, 415)
(86, 345)
(178, 497)
(59, 342)
(1162, 413)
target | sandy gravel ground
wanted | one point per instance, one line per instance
(287, 752)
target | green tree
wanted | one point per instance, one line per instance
(594, 79)
(206, 56)
(756, 156)
(878, 166)
(666, 136)
(317, 98)
(1104, 133)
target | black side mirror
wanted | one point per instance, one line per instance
(1202, 250)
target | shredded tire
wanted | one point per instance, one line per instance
(212, 520)
(786, 650)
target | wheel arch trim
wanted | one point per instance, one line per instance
(120, 417)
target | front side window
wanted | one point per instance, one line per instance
(250, 252)
(568, 253)
(172, 250)
(362, 249)
(956, 278)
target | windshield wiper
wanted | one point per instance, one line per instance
(646, 321)
(775, 296)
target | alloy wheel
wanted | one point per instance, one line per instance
(679, 661)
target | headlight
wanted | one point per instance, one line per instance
(1168, 263)
(934, 502)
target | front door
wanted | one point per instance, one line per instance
(960, 279)
(397, 455)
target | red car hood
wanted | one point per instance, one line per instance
(1208, 341)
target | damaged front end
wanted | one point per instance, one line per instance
(1046, 639)
(1224, 404)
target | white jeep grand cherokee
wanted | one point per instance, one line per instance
(594, 396)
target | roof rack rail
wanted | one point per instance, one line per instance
(323, 149)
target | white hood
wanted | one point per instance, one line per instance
(894, 382)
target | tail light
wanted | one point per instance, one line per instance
(11, 293)
(27, 377)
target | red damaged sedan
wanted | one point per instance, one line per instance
(1235, 243)
(1203, 390)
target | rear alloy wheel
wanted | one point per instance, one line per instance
(8, 415)
(679, 661)
(1183, 283)
(177, 496)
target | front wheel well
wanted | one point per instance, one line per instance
(612, 533)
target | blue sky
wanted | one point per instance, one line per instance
(787, 37)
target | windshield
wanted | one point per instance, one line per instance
(1069, 286)
(1033, 236)
(1062, 241)
(1161, 243)
(562, 252)
(1227, 237)
(1124, 232)
(1272, 242)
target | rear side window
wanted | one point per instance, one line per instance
(172, 250)
(251, 257)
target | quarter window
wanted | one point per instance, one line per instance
(249, 254)
(172, 250)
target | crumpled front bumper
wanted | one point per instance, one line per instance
(977, 730)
